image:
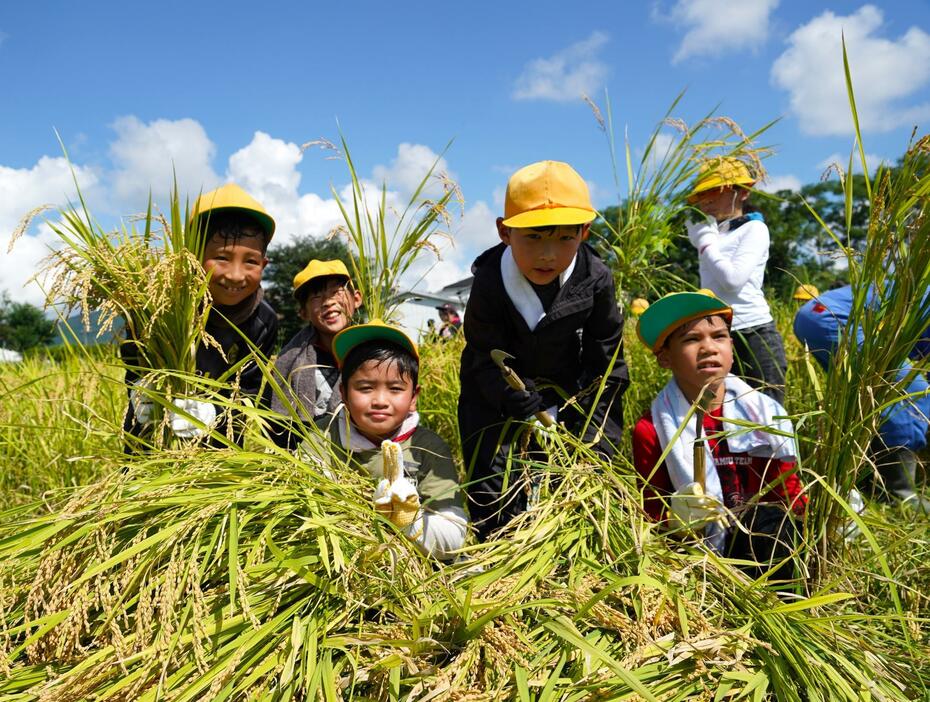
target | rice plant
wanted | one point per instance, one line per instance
(386, 242)
(657, 183)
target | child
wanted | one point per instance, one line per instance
(818, 325)
(238, 231)
(451, 322)
(750, 473)
(328, 302)
(543, 296)
(380, 370)
(733, 248)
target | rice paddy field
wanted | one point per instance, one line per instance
(192, 573)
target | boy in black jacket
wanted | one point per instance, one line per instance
(238, 232)
(544, 297)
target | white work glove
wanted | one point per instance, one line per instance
(398, 501)
(203, 412)
(703, 233)
(693, 509)
(850, 530)
(142, 404)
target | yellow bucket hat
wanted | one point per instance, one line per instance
(546, 194)
(721, 173)
(232, 197)
(319, 269)
(805, 292)
(350, 337)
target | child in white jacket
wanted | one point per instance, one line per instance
(733, 249)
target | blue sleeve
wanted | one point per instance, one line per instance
(905, 423)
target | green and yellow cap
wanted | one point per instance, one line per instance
(319, 269)
(671, 311)
(719, 174)
(231, 197)
(350, 337)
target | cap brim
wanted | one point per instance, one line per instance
(349, 338)
(550, 217)
(698, 189)
(670, 312)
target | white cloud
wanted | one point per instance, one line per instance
(3, 37)
(717, 27)
(872, 160)
(146, 156)
(566, 75)
(266, 167)
(49, 182)
(780, 182)
(885, 73)
(407, 169)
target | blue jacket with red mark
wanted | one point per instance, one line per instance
(820, 323)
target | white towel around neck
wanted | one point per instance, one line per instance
(771, 437)
(521, 293)
(353, 440)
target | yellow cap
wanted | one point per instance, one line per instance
(319, 269)
(720, 173)
(805, 292)
(232, 197)
(350, 337)
(638, 306)
(546, 194)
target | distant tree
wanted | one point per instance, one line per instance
(23, 326)
(286, 261)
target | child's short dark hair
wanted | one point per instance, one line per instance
(316, 285)
(234, 225)
(381, 351)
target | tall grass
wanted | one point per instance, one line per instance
(386, 242)
(59, 423)
(657, 183)
(252, 576)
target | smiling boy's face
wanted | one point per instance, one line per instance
(329, 307)
(543, 254)
(379, 398)
(236, 264)
(698, 352)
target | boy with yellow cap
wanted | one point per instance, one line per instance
(544, 297)
(328, 302)
(237, 233)
(748, 474)
(378, 432)
(733, 249)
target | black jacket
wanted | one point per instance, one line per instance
(260, 328)
(571, 347)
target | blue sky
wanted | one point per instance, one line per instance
(229, 91)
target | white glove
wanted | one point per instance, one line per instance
(398, 501)
(203, 412)
(702, 234)
(850, 530)
(142, 404)
(693, 510)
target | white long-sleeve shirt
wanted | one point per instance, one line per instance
(733, 266)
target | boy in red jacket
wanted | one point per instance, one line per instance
(750, 473)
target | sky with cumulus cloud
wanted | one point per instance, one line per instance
(212, 92)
